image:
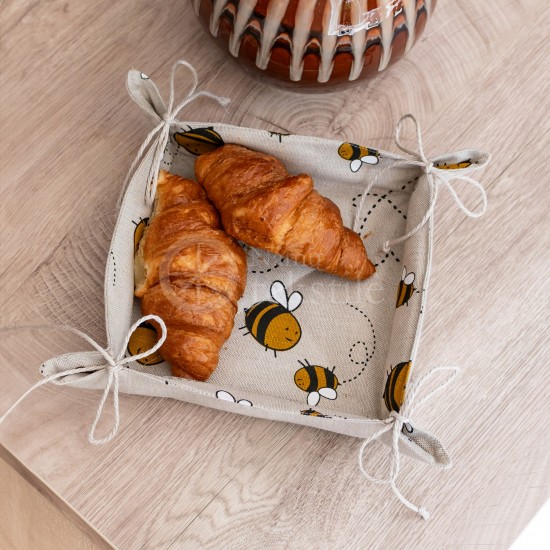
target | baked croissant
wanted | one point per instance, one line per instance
(191, 273)
(263, 206)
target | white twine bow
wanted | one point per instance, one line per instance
(160, 134)
(395, 423)
(113, 365)
(436, 177)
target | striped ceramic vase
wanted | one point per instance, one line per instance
(316, 42)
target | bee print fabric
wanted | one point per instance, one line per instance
(307, 347)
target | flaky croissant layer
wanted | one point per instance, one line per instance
(265, 207)
(190, 273)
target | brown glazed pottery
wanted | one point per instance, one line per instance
(316, 42)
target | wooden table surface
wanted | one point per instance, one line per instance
(182, 476)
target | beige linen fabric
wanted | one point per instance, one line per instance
(352, 334)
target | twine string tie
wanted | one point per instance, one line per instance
(113, 365)
(157, 138)
(394, 423)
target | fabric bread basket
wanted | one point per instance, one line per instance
(349, 369)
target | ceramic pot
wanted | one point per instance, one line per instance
(316, 42)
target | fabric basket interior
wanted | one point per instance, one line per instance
(341, 331)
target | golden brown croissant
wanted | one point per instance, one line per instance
(190, 273)
(263, 206)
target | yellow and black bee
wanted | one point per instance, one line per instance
(142, 339)
(198, 141)
(358, 155)
(406, 288)
(457, 166)
(317, 382)
(138, 232)
(272, 324)
(311, 412)
(394, 393)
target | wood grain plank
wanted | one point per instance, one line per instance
(184, 476)
(34, 516)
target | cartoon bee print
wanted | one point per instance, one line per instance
(226, 396)
(358, 155)
(457, 166)
(311, 412)
(142, 339)
(394, 392)
(406, 288)
(317, 382)
(272, 324)
(198, 141)
(138, 232)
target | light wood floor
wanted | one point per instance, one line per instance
(180, 476)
